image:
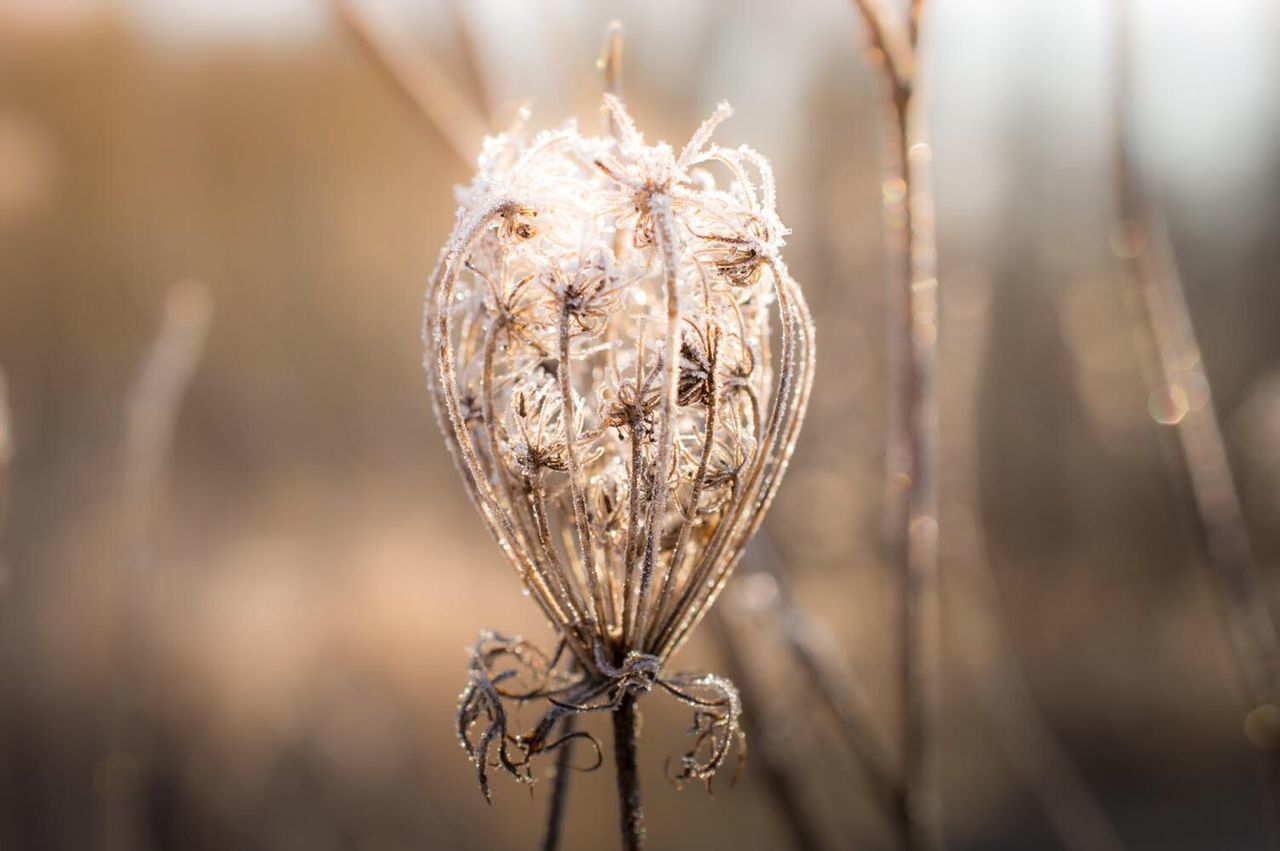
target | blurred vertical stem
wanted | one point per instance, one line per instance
(424, 85)
(560, 786)
(150, 419)
(6, 449)
(778, 774)
(1171, 361)
(625, 718)
(910, 498)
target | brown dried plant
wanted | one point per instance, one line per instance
(603, 366)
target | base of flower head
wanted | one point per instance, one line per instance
(514, 671)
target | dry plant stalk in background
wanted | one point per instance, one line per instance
(6, 450)
(150, 419)
(910, 510)
(1174, 371)
(600, 346)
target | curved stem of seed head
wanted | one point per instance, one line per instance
(487, 408)
(659, 206)
(631, 548)
(438, 328)
(714, 567)
(626, 733)
(802, 383)
(576, 487)
(691, 517)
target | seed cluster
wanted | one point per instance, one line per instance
(620, 363)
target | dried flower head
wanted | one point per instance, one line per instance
(620, 363)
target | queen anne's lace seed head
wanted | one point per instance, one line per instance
(620, 364)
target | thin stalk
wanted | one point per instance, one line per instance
(443, 380)
(150, 421)
(625, 735)
(910, 476)
(631, 546)
(779, 775)
(977, 634)
(712, 571)
(575, 472)
(423, 84)
(846, 705)
(538, 507)
(665, 233)
(6, 449)
(536, 492)
(1173, 363)
(695, 498)
(560, 786)
(610, 65)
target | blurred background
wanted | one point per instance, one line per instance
(255, 638)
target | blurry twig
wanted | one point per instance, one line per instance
(610, 66)
(977, 631)
(780, 776)
(911, 526)
(1173, 365)
(420, 81)
(560, 786)
(6, 448)
(813, 650)
(471, 58)
(151, 410)
(150, 414)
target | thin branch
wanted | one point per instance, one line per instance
(610, 66)
(151, 411)
(910, 488)
(1173, 365)
(560, 786)
(419, 80)
(471, 55)
(812, 652)
(779, 775)
(6, 449)
(894, 45)
(150, 417)
(977, 630)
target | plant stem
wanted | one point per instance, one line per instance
(625, 734)
(1171, 360)
(777, 773)
(560, 788)
(910, 513)
(429, 91)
